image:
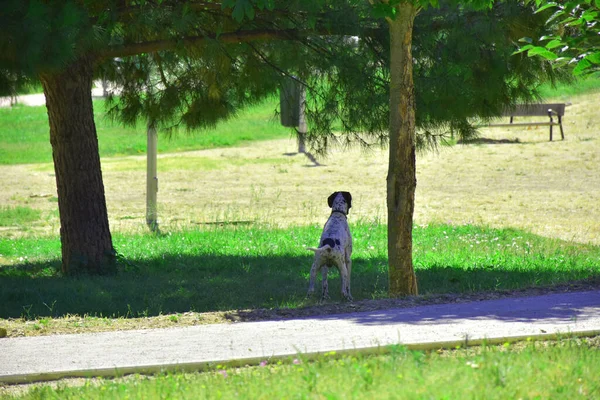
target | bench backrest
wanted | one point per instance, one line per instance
(535, 110)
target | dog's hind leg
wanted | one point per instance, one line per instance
(313, 277)
(345, 282)
(325, 294)
(349, 266)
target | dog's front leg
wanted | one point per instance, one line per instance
(325, 294)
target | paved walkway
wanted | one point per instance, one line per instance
(37, 99)
(194, 348)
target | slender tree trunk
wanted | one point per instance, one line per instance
(84, 232)
(401, 179)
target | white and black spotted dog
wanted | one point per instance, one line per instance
(335, 246)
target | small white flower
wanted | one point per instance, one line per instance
(472, 364)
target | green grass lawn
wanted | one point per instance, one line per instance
(212, 269)
(557, 370)
(24, 133)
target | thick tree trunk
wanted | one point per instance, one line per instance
(84, 232)
(401, 179)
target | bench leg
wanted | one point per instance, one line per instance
(562, 134)
(551, 121)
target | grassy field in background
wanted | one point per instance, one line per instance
(24, 136)
(563, 90)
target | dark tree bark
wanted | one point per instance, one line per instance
(85, 235)
(401, 179)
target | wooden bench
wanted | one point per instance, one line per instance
(535, 110)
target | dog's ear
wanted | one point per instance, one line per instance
(348, 198)
(331, 198)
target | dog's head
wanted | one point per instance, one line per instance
(340, 201)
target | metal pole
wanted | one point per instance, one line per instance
(151, 178)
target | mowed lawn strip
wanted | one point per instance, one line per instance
(25, 138)
(566, 369)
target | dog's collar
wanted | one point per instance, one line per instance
(341, 212)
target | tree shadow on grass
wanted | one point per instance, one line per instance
(177, 283)
(172, 284)
(546, 308)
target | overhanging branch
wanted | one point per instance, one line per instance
(132, 49)
(242, 36)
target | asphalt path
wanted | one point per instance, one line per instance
(36, 100)
(30, 359)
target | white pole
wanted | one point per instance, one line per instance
(151, 178)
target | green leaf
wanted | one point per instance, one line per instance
(589, 15)
(249, 10)
(523, 49)
(594, 57)
(240, 9)
(561, 62)
(526, 40)
(238, 13)
(575, 22)
(265, 4)
(545, 7)
(555, 16)
(554, 44)
(542, 52)
(581, 66)
(227, 4)
(382, 10)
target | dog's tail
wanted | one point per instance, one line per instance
(320, 249)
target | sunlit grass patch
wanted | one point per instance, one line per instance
(18, 215)
(580, 86)
(24, 133)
